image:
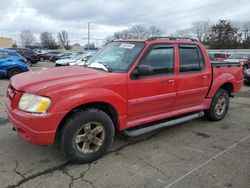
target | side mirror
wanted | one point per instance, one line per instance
(144, 70)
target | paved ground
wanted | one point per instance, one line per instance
(195, 154)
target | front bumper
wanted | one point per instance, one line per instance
(33, 128)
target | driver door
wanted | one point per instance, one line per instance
(152, 97)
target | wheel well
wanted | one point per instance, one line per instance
(107, 108)
(229, 88)
(13, 68)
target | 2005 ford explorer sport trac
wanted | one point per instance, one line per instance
(127, 86)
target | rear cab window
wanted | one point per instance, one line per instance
(190, 58)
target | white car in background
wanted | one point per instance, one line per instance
(82, 60)
(70, 59)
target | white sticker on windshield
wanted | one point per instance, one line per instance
(127, 45)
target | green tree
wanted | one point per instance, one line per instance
(223, 35)
(246, 34)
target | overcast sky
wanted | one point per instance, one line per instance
(109, 16)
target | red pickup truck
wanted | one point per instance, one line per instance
(130, 86)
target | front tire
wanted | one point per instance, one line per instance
(219, 106)
(87, 135)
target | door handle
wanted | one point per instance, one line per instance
(204, 77)
(168, 81)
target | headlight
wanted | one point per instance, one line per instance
(34, 103)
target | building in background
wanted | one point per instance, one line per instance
(5, 42)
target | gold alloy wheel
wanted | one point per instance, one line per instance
(90, 137)
(220, 106)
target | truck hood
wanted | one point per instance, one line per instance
(35, 81)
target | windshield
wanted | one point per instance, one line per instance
(116, 56)
(238, 56)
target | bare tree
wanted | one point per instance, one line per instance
(63, 39)
(48, 41)
(182, 33)
(137, 31)
(200, 30)
(153, 31)
(26, 38)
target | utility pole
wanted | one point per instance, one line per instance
(88, 34)
(89, 27)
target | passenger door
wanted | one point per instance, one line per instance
(153, 96)
(194, 77)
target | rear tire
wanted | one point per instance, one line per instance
(219, 106)
(87, 135)
(13, 72)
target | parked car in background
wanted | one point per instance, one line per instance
(243, 58)
(67, 60)
(82, 61)
(211, 57)
(247, 76)
(40, 54)
(28, 54)
(56, 57)
(47, 55)
(11, 63)
(130, 86)
(220, 56)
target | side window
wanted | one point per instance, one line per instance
(1, 54)
(5, 55)
(161, 59)
(191, 59)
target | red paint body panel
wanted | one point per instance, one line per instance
(137, 101)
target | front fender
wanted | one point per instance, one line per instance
(70, 100)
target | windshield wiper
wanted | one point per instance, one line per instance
(106, 66)
(96, 65)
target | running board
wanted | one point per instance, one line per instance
(141, 131)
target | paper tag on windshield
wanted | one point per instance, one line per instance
(127, 45)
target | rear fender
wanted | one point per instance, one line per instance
(219, 81)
